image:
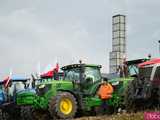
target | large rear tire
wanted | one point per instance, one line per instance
(63, 106)
(129, 101)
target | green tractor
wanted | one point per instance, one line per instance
(66, 98)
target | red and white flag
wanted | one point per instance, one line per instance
(6, 81)
(50, 73)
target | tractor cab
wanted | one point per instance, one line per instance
(83, 76)
(132, 71)
(132, 66)
(150, 71)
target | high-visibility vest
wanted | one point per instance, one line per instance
(105, 91)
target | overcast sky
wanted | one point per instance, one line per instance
(45, 31)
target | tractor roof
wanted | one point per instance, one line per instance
(16, 78)
(150, 62)
(78, 65)
(137, 61)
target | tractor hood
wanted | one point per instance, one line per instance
(116, 81)
(119, 84)
(26, 97)
(56, 83)
(51, 87)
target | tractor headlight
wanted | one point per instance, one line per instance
(42, 89)
(41, 86)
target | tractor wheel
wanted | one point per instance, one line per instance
(63, 106)
(128, 98)
(4, 115)
(27, 113)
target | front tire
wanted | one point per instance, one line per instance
(63, 106)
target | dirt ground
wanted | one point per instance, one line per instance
(117, 116)
(124, 116)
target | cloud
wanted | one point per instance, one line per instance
(42, 31)
(27, 37)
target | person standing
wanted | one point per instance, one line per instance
(105, 93)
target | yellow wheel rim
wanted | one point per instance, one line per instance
(66, 106)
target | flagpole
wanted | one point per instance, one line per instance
(10, 72)
(159, 46)
(39, 69)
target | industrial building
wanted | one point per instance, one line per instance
(118, 52)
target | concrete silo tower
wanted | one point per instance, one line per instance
(118, 42)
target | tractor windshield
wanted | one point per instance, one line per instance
(93, 73)
(133, 70)
(72, 74)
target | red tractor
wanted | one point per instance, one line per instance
(144, 91)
